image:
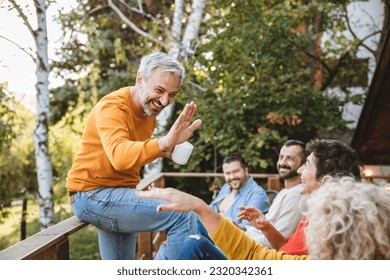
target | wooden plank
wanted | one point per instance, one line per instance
(43, 240)
(204, 175)
(145, 246)
(59, 251)
(146, 182)
(273, 183)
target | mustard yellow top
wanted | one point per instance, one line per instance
(236, 245)
(115, 145)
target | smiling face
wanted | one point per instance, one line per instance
(289, 161)
(308, 173)
(235, 175)
(157, 91)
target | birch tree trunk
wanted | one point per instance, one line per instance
(41, 140)
(192, 30)
(40, 135)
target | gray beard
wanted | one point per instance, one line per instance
(148, 112)
(145, 107)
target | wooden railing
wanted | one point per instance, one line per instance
(53, 243)
(49, 244)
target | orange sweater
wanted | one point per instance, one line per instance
(236, 245)
(115, 145)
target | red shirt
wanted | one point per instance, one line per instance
(296, 243)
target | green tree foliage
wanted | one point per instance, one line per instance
(17, 158)
(7, 115)
(255, 75)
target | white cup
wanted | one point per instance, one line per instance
(182, 152)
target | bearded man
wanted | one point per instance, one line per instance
(284, 213)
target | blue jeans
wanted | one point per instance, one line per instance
(119, 214)
(200, 247)
(195, 247)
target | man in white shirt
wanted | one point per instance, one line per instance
(284, 213)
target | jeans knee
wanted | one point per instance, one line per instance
(196, 241)
(195, 236)
(199, 247)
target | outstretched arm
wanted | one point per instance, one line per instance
(258, 220)
(181, 130)
(183, 202)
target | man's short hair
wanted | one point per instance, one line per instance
(167, 63)
(293, 142)
(235, 157)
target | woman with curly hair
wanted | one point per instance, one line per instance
(349, 220)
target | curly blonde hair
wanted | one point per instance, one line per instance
(348, 220)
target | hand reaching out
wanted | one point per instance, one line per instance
(181, 130)
(183, 202)
(258, 220)
(254, 216)
(178, 201)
